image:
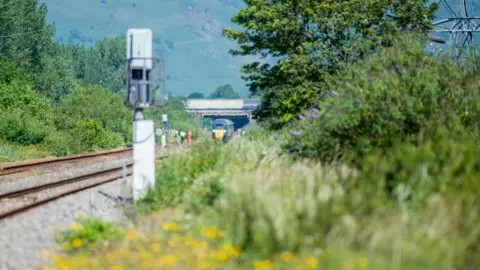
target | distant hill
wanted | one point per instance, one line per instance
(187, 34)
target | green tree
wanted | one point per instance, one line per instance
(58, 76)
(310, 39)
(25, 35)
(196, 95)
(105, 64)
(105, 109)
(25, 116)
(224, 91)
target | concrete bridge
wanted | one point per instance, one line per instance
(238, 110)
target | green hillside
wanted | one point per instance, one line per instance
(187, 34)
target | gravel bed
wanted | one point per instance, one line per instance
(65, 171)
(28, 236)
(10, 204)
(27, 239)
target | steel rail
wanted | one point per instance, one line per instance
(76, 179)
(119, 170)
(16, 167)
(38, 189)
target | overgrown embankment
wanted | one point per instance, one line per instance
(383, 176)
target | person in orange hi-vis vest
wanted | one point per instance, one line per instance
(189, 137)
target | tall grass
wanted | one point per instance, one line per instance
(284, 214)
(10, 153)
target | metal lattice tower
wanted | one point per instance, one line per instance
(459, 25)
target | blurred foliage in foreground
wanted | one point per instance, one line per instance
(277, 214)
(410, 207)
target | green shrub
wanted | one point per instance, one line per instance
(96, 117)
(25, 116)
(389, 96)
(446, 163)
(61, 143)
(86, 233)
(20, 128)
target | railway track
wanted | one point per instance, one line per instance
(22, 200)
(23, 166)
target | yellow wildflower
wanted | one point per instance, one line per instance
(210, 232)
(222, 256)
(63, 264)
(144, 255)
(169, 259)
(312, 263)
(222, 233)
(83, 260)
(205, 265)
(170, 226)
(362, 263)
(118, 267)
(287, 256)
(156, 248)
(199, 245)
(173, 242)
(77, 242)
(262, 265)
(75, 226)
(132, 234)
(124, 253)
(231, 250)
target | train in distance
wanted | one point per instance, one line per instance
(222, 130)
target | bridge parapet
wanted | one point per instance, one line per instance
(219, 107)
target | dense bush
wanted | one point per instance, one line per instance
(89, 118)
(444, 162)
(96, 116)
(389, 96)
(25, 116)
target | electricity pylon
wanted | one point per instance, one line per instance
(459, 24)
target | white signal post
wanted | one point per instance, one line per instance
(164, 133)
(142, 92)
